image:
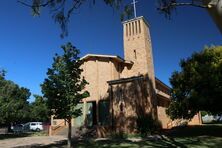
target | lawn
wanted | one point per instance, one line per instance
(185, 142)
(194, 136)
(21, 135)
(184, 137)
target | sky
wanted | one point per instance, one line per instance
(28, 44)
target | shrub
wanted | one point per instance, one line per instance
(147, 125)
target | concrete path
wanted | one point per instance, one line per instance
(31, 141)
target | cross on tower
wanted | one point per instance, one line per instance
(134, 7)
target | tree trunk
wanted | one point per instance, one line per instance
(69, 133)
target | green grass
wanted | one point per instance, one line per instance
(200, 142)
(20, 135)
(194, 136)
(185, 137)
(10, 135)
(165, 142)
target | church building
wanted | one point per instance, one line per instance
(123, 90)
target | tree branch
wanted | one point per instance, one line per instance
(167, 6)
(40, 5)
(188, 4)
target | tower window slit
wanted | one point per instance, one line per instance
(136, 26)
(139, 27)
(133, 27)
(126, 29)
(129, 29)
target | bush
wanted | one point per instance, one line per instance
(147, 125)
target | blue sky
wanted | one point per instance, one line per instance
(28, 43)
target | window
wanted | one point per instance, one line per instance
(104, 116)
(135, 56)
(79, 121)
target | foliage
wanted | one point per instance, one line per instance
(63, 9)
(13, 102)
(204, 113)
(39, 110)
(198, 86)
(64, 86)
(168, 6)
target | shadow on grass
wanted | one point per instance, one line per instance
(200, 135)
(116, 143)
(164, 142)
(192, 136)
(193, 131)
(21, 135)
(56, 144)
(12, 135)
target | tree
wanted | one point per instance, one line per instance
(64, 87)
(14, 107)
(39, 110)
(198, 86)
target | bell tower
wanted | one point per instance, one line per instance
(138, 48)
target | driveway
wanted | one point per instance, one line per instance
(36, 141)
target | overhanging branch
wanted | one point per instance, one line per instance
(39, 5)
(188, 4)
(167, 6)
